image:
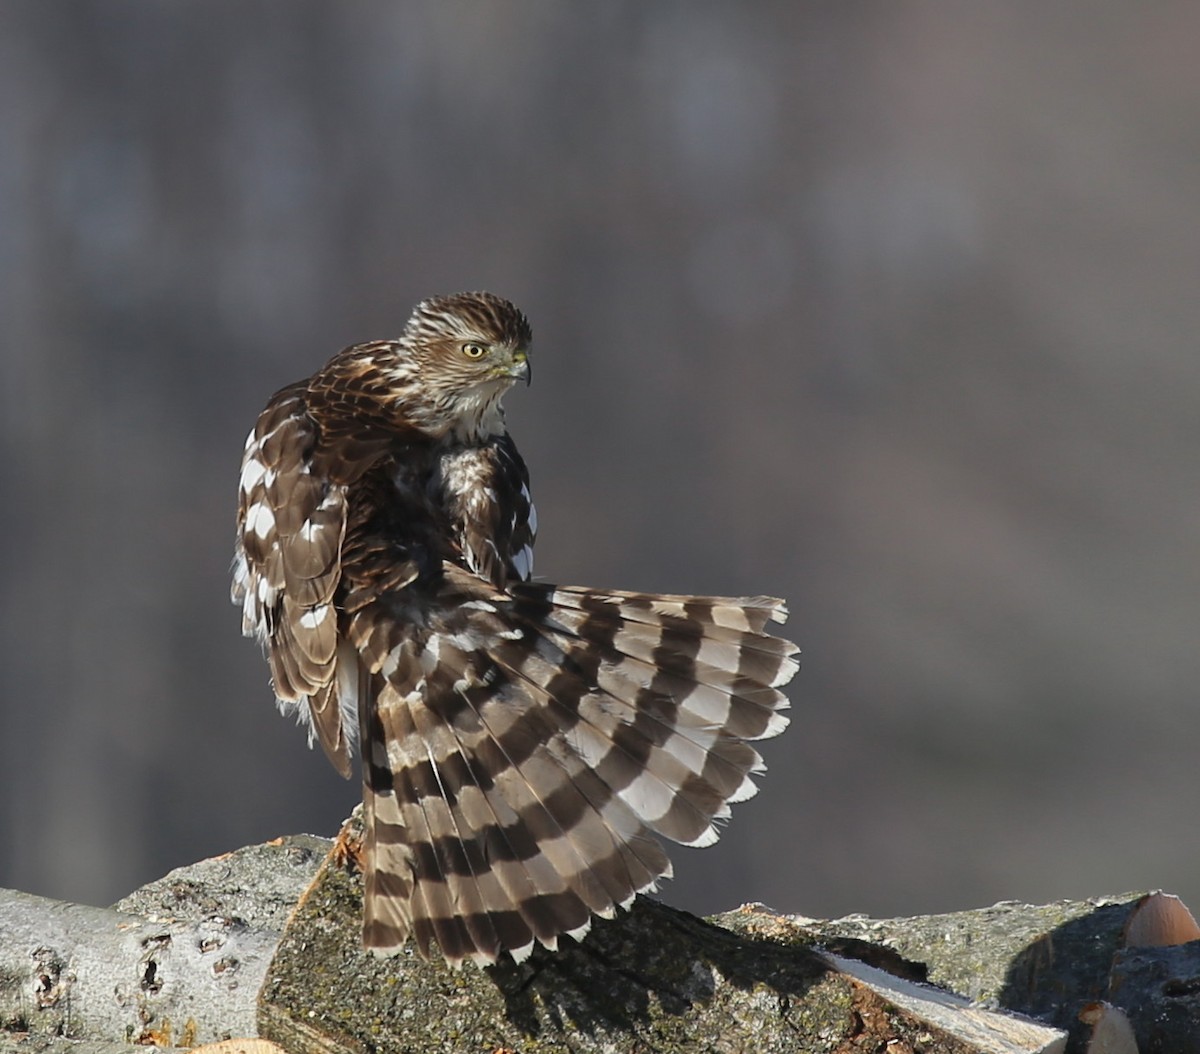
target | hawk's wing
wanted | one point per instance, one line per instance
(290, 527)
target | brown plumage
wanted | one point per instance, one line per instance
(521, 743)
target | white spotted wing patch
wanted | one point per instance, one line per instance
(287, 567)
(253, 471)
(260, 520)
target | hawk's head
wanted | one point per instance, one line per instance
(468, 349)
(443, 377)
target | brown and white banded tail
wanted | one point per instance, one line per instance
(525, 754)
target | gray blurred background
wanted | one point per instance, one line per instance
(890, 309)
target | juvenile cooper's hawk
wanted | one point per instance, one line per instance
(521, 742)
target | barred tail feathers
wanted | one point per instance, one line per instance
(530, 745)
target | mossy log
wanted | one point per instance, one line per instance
(652, 979)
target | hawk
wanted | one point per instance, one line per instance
(522, 743)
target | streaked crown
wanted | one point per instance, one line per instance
(468, 316)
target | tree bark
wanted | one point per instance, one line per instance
(180, 963)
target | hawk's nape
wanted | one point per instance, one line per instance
(523, 744)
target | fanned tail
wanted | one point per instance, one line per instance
(527, 746)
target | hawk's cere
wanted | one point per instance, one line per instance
(522, 743)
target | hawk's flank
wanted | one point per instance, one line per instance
(521, 743)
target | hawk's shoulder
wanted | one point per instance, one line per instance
(485, 491)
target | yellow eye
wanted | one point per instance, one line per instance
(474, 351)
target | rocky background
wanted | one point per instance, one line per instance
(887, 308)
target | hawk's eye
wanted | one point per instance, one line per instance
(474, 351)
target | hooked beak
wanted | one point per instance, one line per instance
(520, 369)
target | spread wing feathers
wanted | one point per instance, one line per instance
(522, 749)
(290, 527)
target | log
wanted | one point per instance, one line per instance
(1106, 1030)
(1159, 990)
(981, 1028)
(652, 979)
(257, 886)
(1046, 960)
(1067, 963)
(258, 952)
(185, 967)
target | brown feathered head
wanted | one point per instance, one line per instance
(444, 376)
(468, 349)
